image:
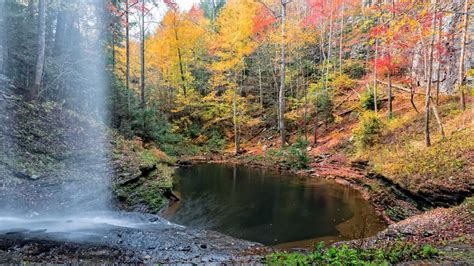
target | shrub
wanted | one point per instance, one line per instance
(354, 69)
(343, 82)
(345, 255)
(297, 155)
(216, 142)
(368, 131)
(294, 157)
(324, 108)
(367, 100)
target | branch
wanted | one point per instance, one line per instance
(275, 14)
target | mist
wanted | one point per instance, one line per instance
(75, 77)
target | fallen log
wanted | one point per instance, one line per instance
(400, 88)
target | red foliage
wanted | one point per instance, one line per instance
(262, 21)
(196, 12)
(323, 9)
(171, 4)
(389, 64)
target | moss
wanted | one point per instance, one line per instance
(148, 173)
(396, 214)
(152, 195)
(148, 158)
(150, 190)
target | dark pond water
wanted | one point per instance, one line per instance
(269, 207)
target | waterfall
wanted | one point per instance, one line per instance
(54, 160)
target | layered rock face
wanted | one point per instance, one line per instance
(446, 69)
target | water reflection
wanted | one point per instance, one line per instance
(268, 207)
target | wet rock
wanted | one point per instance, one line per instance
(184, 162)
(157, 242)
(127, 178)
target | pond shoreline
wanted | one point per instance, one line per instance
(346, 181)
(392, 202)
(343, 208)
(443, 227)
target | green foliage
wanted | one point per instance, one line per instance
(216, 142)
(367, 100)
(323, 101)
(369, 130)
(208, 7)
(150, 124)
(345, 255)
(294, 157)
(324, 108)
(354, 69)
(429, 251)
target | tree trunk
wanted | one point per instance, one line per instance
(341, 38)
(323, 53)
(305, 113)
(60, 29)
(389, 95)
(460, 81)
(438, 119)
(260, 84)
(329, 44)
(315, 132)
(142, 56)
(41, 46)
(305, 91)
(281, 94)
(214, 15)
(375, 75)
(412, 99)
(127, 48)
(438, 70)
(430, 77)
(236, 127)
(180, 58)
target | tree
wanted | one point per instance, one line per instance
(461, 74)
(281, 93)
(174, 20)
(178, 52)
(127, 50)
(40, 52)
(389, 65)
(143, 12)
(430, 76)
(232, 44)
(211, 9)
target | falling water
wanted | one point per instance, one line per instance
(81, 184)
(89, 191)
(2, 29)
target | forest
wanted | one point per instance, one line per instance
(237, 131)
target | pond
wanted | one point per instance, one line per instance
(269, 207)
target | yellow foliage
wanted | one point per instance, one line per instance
(234, 41)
